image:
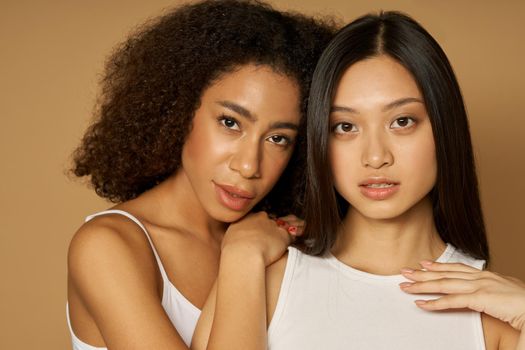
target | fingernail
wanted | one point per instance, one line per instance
(420, 302)
(426, 263)
(406, 271)
(405, 284)
(292, 230)
(280, 222)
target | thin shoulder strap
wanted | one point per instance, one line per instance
(135, 220)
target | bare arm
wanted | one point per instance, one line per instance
(203, 329)
(236, 317)
(113, 278)
(240, 311)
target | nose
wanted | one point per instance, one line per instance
(377, 152)
(246, 159)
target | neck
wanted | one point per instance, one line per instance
(385, 246)
(174, 204)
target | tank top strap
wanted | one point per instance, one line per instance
(136, 221)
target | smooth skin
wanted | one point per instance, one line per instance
(380, 130)
(242, 135)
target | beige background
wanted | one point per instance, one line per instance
(51, 56)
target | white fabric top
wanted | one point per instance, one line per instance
(182, 313)
(325, 304)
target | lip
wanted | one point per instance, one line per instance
(233, 197)
(376, 193)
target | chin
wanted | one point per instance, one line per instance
(382, 211)
(227, 215)
(379, 216)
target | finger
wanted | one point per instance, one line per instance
(289, 217)
(284, 234)
(436, 266)
(290, 231)
(456, 301)
(421, 275)
(293, 220)
(281, 222)
(442, 286)
(296, 223)
(293, 225)
(295, 230)
(284, 221)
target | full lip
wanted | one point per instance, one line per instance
(239, 192)
(233, 197)
(377, 180)
(378, 193)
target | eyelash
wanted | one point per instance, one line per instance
(411, 121)
(287, 140)
(223, 119)
(334, 128)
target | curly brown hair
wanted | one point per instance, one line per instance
(154, 80)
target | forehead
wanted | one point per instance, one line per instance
(260, 89)
(378, 79)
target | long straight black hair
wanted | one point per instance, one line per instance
(455, 196)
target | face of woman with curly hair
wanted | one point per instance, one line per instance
(241, 140)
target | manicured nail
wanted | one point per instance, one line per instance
(406, 271)
(420, 302)
(405, 285)
(280, 222)
(426, 263)
(292, 230)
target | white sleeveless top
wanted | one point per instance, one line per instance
(325, 304)
(182, 313)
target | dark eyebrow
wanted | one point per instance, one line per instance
(391, 105)
(238, 109)
(342, 109)
(284, 125)
(401, 102)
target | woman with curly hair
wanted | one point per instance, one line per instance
(200, 123)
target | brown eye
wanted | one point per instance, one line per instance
(229, 123)
(403, 122)
(279, 140)
(343, 128)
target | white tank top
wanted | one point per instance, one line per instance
(182, 313)
(325, 304)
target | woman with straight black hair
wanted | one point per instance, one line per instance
(392, 210)
(455, 197)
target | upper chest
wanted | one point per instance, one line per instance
(191, 265)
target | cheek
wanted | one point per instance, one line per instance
(273, 166)
(203, 148)
(421, 156)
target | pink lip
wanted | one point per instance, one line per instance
(232, 197)
(378, 193)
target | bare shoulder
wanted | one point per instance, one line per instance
(498, 334)
(274, 278)
(112, 277)
(105, 247)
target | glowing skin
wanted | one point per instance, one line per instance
(241, 140)
(381, 145)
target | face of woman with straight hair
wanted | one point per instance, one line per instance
(381, 145)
